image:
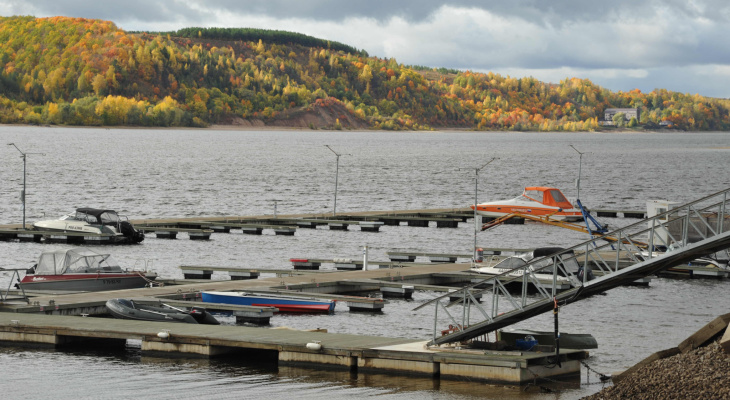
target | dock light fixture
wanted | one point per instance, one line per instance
(275, 201)
(337, 173)
(580, 166)
(23, 193)
(476, 190)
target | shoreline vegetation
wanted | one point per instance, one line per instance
(84, 72)
(256, 127)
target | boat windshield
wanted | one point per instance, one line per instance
(88, 218)
(104, 218)
(510, 263)
(566, 263)
(75, 261)
(557, 196)
(536, 195)
(109, 218)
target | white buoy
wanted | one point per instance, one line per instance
(315, 345)
(165, 334)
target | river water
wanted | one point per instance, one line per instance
(186, 173)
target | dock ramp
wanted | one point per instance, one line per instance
(690, 231)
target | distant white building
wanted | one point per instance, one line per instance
(628, 112)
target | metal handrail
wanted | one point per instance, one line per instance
(698, 236)
(15, 276)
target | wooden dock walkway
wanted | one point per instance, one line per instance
(357, 353)
(201, 228)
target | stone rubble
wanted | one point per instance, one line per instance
(703, 373)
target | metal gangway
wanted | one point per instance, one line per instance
(685, 233)
(5, 294)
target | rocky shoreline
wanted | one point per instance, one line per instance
(702, 373)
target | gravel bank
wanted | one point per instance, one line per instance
(703, 373)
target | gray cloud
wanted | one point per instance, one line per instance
(554, 13)
(135, 10)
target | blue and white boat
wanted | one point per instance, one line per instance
(285, 303)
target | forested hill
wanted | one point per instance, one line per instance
(72, 71)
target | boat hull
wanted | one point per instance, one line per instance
(86, 282)
(285, 304)
(127, 309)
(579, 341)
(539, 201)
(66, 226)
(490, 272)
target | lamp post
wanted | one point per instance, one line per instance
(275, 201)
(22, 195)
(476, 190)
(580, 166)
(337, 173)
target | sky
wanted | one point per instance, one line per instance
(679, 45)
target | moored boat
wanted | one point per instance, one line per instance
(285, 303)
(579, 341)
(94, 221)
(129, 309)
(82, 269)
(568, 269)
(535, 200)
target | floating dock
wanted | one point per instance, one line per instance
(58, 320)
(201, 228)
(356, 353)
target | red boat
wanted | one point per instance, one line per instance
(82, 269)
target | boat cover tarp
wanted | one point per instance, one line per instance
(75, 261)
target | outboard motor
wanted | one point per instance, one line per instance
(128, 231)
(31, 270)
(590, 276)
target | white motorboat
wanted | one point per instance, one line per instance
(569, 271)
(94, 221)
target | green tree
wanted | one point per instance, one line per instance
(619, 120)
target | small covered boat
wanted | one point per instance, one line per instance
(129, 309)
(535, 200)
(285, 303)
(94, 221)
(82, 269)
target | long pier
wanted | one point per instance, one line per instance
(201, 228)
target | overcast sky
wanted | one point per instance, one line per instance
(680, 45)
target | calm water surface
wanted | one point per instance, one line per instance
(184, 173)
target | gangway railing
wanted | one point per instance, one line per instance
(5, 294)
(690, 231)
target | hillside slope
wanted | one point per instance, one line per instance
(88, 72)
